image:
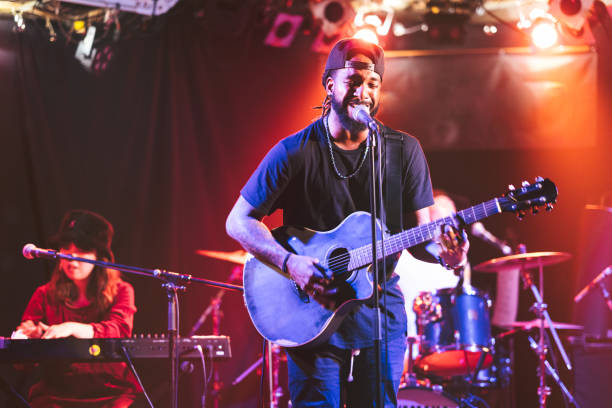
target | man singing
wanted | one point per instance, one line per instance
(318, 177)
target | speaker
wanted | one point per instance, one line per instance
(594, 255)
(592, 374)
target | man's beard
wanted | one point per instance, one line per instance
(350, 124)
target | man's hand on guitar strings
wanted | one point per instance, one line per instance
(454, 245)
(310, 276)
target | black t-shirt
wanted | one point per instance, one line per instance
(297, 175)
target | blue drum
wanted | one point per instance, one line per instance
(455, 332)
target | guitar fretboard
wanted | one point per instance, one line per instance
(362, 256)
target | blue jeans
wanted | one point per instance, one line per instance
(318, 376)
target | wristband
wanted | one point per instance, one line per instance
(284, 267)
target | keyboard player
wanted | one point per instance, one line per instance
(83, 301)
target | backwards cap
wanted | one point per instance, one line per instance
(344, 50)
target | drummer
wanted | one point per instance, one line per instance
(418, 276)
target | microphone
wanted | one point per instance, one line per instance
(479, 230)
(30, 251)
(361, 114)
(593, 283)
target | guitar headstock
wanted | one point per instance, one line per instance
(541, 194)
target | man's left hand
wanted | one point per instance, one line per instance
(454, 245)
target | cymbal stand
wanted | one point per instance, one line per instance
(540, 309)
(555, 375)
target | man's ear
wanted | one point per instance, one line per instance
(329, 85)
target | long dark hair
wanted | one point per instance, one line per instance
(101, 286)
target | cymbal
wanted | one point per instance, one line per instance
(239, 256)
(535, 323)
(525, 261)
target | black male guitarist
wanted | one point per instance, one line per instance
(318, 177)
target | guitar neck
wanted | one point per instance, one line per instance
(393, 244)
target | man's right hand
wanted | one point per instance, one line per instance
(308, 275)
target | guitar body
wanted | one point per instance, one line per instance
(284, 314)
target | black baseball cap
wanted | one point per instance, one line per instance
(87, 230)
(345, 49)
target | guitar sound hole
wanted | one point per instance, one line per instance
(337, 262)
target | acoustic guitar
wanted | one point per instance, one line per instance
(286, 315)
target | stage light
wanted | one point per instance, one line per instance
(19, 22)
(544, 33)
(102, 59)
(85, 52)
(571, 13)
(283, 30)
(332, 14)
(367, 34)
(376, 15)
(489, 29)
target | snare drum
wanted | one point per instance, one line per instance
(456, 338)
(425, 397)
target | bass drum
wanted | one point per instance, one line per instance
(459, 335)
(425, 397)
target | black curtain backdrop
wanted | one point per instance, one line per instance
(162, 142)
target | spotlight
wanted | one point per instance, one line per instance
(102, 59)
(283, 30)
(367, 33)
(376, 15)
(85, 52)
(333, 15)
(19, 22)
(489, 29)
(571, 13)
(544, 33)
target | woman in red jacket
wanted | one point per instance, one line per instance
(85, 301)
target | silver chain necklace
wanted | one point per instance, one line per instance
(331, 153)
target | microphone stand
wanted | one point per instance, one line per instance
(597, 281)
(172, 282)
(374, 142)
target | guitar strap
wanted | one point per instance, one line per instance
(394, 152)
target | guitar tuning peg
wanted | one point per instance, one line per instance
(539, 179)
(525, 183)
(535, 210)
(511, 187)
(549, 207)
(520, 215)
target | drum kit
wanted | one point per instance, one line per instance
(458, 356)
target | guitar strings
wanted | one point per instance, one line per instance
(339, 263)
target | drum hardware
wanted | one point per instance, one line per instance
(526, 261)
(553, 373)
(409, 378)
